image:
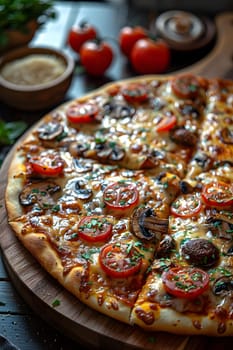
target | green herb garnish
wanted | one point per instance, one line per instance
(10, 131)
(56, 303)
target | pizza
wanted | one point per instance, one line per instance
(125, 196)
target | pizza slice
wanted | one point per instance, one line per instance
(137, 124)
(215, 145)
(189, 289)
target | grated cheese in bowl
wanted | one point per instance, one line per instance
(34, 69)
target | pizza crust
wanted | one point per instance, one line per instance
(16, 179)
(109, 305)
(168, 320)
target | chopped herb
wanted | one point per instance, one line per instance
(56, 208)
(166, 184)
(61, 136)
(56, 303)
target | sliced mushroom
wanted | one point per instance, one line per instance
(146, 225)
(153, 159)
(186, 187)
(103, 150)
(226, 135)
(223, 285)
(189, 109)
(110, 151)
(220, 224)
(216, 215)
(119, 111)
(203, 160)
(166, 245)
(230, 251)
(78, 148)
(82, 165)
(183, 137)
(221, 228)
(80, 190)
(118, 153)
(38, 192)
(49, 131)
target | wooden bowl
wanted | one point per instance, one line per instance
(36, 97)
(17, 38)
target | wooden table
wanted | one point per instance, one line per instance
(18, 322)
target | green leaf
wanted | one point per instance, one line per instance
(15, 14)
(9, 132)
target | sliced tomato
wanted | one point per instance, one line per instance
(94, 229)
(135, 93)
(185, 86)
(185, 282)
(218, 194)
(82, 112)
(47, 164)
(186, 206)
(121, 195)
(167, 123)
(120, 260)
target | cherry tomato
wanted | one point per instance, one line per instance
(167, 123)
(218, 194)
(185, 86)
(185, 282)
(128, 36)
(80, 34)
(186, 206)
(121, 195)
(135, 92)
(82, 112)
(120, 260)
(47, 164)
(94, 229)
(150, 57)
(96, 57)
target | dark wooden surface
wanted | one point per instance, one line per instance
(17, 320)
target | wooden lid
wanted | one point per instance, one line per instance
(184, 31)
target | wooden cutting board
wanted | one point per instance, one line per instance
(71, 317)
(219, 62)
